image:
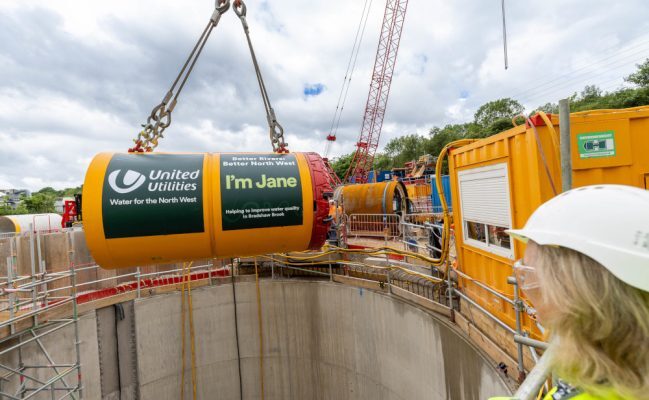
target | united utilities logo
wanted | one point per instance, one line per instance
(159, 180)
(131, 180)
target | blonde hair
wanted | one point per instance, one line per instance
(601, 322)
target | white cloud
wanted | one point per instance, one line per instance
(80, 77)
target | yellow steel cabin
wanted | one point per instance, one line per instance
(499, 181)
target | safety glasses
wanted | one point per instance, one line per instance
(526, 276)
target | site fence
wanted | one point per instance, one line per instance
(422, 204)
(48, 275)
(386, 226)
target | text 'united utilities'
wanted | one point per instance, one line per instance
(158, 181)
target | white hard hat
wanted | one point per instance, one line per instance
(608, 223)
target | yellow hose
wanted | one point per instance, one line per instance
(360, 264)
(372, 251)
(187, 286)
(261, 336)
(383, 251)
(446, 230)
(553, 134)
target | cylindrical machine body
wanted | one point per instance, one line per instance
(142, 209)
(27, 222)
(388, 197)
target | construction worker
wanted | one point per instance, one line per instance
(586, 271)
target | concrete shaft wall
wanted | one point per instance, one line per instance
(321, 341)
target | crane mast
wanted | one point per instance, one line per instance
(386, 57)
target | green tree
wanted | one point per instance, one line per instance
(496, 116)
(641, 76)
(590, 93)
(340, 165)
(496, 110)
(625, 98)
(6, 210)
(383, 162)
(440, 137)
(621, 98)
(39, 203)
(405, 148)
(70, 192)
(549, 108)
(48, 190)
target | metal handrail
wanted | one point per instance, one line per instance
(485, 311)
(529, 389)
(394, 221)
(485, 287)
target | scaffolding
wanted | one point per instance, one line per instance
(50, 278)
(46, 278)
(32, 311)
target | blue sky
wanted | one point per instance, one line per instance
(314, 89)
(79, 77)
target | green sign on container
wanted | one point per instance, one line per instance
(596, 144)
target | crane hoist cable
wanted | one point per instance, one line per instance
(347, 81)
(502, 5)
(276, 130)
(160, 118)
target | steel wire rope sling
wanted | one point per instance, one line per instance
(276, 130)
(160, 118)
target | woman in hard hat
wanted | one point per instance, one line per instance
(586, 271)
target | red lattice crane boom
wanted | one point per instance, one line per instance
(377, 100)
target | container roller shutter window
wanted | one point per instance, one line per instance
(485, 207)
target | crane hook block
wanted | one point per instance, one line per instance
(151, 208)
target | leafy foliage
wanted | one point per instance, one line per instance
(6, 210)
(497, 110)
(496, 116)
(39, 203)
(641, 76)
(69, 192)
(439, 137)
(341, 164)
(401, 150)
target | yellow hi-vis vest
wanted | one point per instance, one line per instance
(549, 396)
(558, 393)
